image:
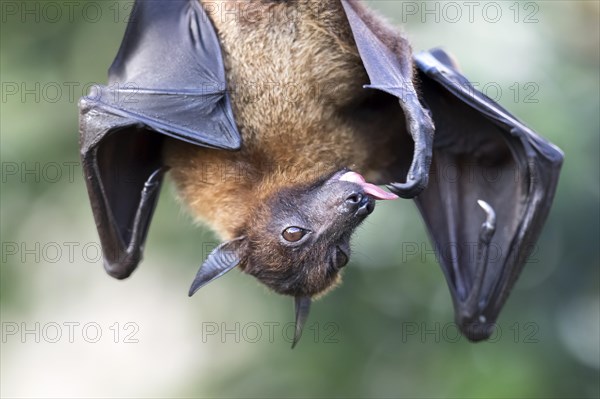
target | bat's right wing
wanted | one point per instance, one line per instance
(168, 79)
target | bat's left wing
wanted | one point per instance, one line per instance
(482, 157)
(503, 167)
(168, 79)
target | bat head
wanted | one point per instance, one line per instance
(298, 239)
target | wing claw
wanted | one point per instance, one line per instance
(488, 228)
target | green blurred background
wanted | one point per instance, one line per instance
(386, 332)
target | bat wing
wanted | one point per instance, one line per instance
(482, 155)
(168, 79)
(386, 58)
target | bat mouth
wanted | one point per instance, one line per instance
(372, 191)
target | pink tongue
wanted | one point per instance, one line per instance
(371, 189)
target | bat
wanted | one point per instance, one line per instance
(279, 124)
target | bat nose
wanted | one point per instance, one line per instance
(354, 199)
(360, 203)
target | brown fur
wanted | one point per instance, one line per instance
(301, 51)
(296, 82)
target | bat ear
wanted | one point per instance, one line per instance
(302, 307)
(224, 258)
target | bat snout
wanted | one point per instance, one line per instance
(357, 203)
(360, 203)
(354, 199)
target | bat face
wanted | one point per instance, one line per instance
(300, 238)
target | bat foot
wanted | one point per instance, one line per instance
(410, 189)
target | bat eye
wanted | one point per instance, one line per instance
(294, 234)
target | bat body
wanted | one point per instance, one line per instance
(301, 111)
(304, 119)
(273, 117)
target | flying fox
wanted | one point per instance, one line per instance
(279, 121)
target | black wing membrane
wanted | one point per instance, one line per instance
(491, 187)
(391, 71)
(483, 181)
(168, 79)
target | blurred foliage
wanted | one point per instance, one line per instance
(548, 341)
